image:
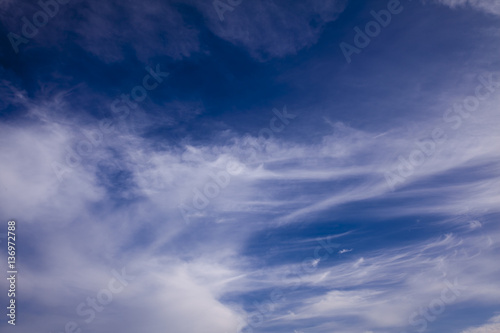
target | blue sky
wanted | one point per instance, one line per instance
(227, 166)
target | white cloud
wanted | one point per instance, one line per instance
(273, 28)
(489, 6)
(493, 326)
(178, 265)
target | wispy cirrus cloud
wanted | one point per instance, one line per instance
(159, 178)
(307, 236)
(273, 29)
(488, 6)
(492, 326)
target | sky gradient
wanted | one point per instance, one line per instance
(241, 166)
